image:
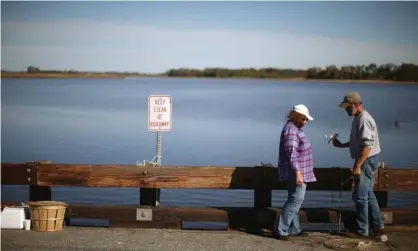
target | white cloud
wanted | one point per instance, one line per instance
(89, 45)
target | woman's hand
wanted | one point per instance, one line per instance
(299, 178)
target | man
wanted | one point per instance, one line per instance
(364, 149)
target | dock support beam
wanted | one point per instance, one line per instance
(151, 196)
(262, 196)
(381, 196)
(37, 193)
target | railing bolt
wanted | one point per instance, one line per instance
(145, 172)
(28, 170)
(386, 185)
(386, 175)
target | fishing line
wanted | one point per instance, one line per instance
(341, 227)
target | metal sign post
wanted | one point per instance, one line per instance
(159, 120)
(159, 150)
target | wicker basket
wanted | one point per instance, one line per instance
(47, 216)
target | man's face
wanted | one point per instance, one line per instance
(351, 110)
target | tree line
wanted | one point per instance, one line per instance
(34, 69)
(403, 72)
(237, 73)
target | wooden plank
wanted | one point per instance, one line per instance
(144, 177)
(145, 224)
(192, 177)
(403, 228)
(128, 213)
(236, 217)
(180, 177)
(191, 214)
(15, 174)
(398, 180)
(403, 216)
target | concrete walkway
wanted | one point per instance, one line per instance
(101, 239)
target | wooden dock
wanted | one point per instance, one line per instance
(147, 213)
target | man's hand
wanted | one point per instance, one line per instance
(356, 169)
(338, 143)
(299, 178)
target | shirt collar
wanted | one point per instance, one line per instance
(290, 123)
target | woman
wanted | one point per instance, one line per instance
(296, 168)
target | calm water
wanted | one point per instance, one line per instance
(215, 122)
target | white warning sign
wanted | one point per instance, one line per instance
(159, 113)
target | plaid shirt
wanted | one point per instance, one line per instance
(295, 154)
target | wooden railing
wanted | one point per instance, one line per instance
(41, 176)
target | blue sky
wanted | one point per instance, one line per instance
(156, 36)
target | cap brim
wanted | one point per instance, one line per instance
(309, 117)
(344, 105)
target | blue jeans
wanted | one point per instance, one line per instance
(289, 215)
(367, 208)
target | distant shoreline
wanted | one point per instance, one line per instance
(122, 76)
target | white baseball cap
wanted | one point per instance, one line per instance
(302, 109)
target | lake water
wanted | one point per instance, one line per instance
(215, 122)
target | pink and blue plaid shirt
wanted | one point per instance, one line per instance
(295, 154)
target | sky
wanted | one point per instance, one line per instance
(152, 37)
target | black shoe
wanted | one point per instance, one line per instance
(281, 237)
(300, 234)
(284, 237)
(378, 232)
(355, 235)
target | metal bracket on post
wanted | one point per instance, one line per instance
(387, 217)
(156, 161)
(144, 214)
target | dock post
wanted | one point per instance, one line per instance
(262, 200)
(263, 195)
(151, 196)
(37, 193)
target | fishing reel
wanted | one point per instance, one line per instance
(331, 137)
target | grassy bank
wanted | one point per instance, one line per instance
(66, 75)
